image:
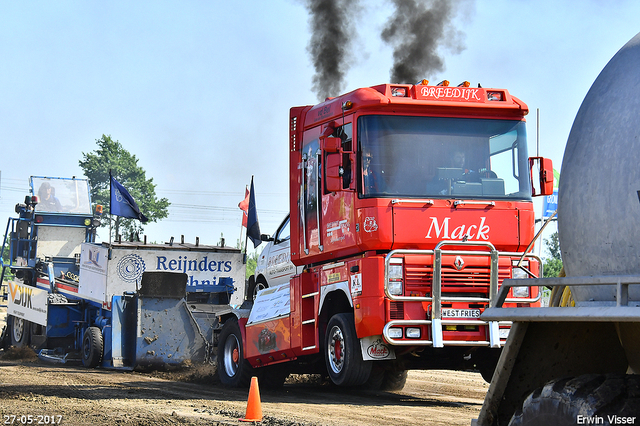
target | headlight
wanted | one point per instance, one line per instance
(520, 291)
(519, 273)
(395, 288)
(413, 333)
(395, 333)
(395, 272)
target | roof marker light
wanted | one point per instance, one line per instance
(464, 84)
(347, 105)
(423, 82)
(443, 83)
(399, 91)
(495, 96)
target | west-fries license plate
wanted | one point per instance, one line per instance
(460, 313)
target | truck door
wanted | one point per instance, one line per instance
(311, 198)
(274, 263)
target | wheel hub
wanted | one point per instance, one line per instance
(18, 329)
(336, 348)
(231, 356)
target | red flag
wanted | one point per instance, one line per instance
(244, 206)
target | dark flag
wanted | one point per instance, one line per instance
(122, 203)
(253, 227)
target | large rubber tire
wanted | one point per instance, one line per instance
(343, 356)
(256, 286)
(386, 379)
(20, 331)
(233, 369)
(92, 347)
(592, 396)
(394, 380)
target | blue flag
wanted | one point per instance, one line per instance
(122, 203)
(253, 227)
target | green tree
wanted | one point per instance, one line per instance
(124, 167)
(8, 276)
(252, 263)
(252, 259)
(552, 264)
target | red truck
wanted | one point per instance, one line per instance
(409, 204)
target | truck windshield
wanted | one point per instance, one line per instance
(57, 195)
(439, 157)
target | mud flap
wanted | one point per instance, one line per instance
(375, 349)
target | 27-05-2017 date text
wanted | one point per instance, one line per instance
(31, 419)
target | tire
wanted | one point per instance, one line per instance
(376, 378)
(92, 347)
(343, 356)
(233, 369)
(593, 396)
(20, 331)
(394, 380)
(261, 284)
(386, 379)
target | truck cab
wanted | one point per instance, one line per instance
(409, 205)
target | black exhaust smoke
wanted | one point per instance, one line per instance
(330, 39)
(416, 31)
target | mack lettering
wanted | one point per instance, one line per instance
(471, 232)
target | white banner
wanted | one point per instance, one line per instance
(105, 273)
(28, 302)
(271, 303)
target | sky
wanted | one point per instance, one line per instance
(200, 91)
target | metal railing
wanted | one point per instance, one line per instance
(593, 311)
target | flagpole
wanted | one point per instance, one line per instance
(110, 207)
(244, 258)
(246, 237)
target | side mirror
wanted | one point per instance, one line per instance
(543, 184)
(330, 145)
(266, 237)
(333, 172)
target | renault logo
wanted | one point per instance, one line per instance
(458, 263)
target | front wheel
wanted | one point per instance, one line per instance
(233, 369)
(92, 347)
(20, 332)
(256, 285)
(343, 356)
(594, 396)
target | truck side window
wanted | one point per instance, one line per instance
(284, 232)
(345, 133)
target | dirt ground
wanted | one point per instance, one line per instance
(80, 396)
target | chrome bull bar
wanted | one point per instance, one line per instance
(436, 322)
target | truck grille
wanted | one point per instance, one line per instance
(470, 281)
(396, 310)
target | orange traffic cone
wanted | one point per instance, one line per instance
(254, 407)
